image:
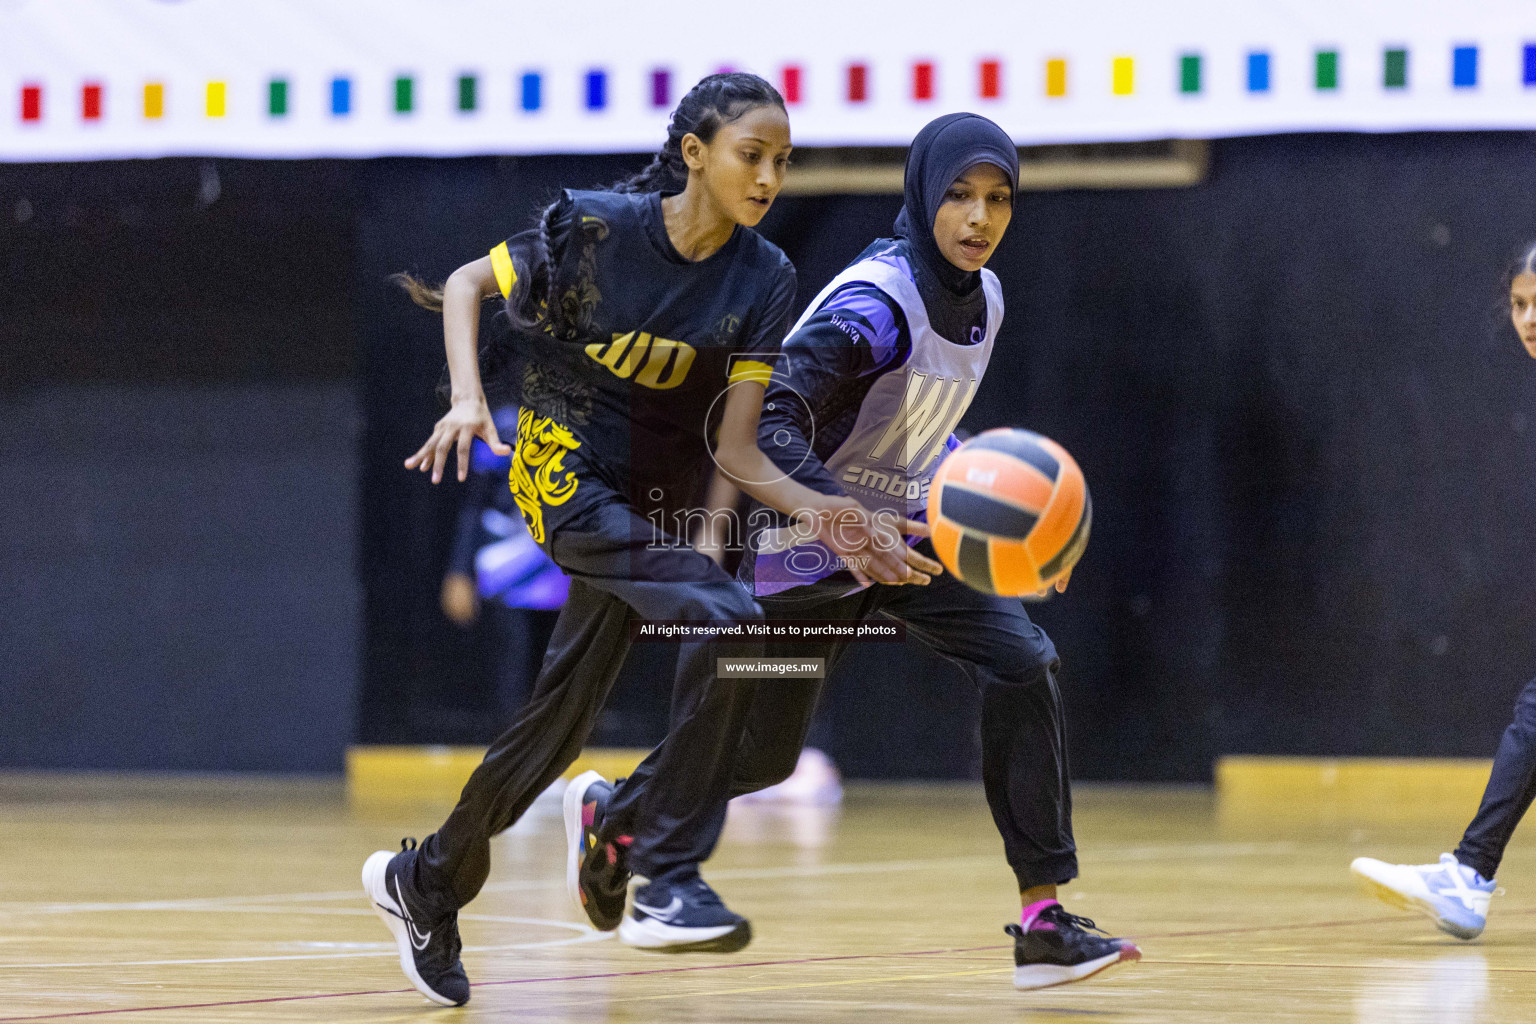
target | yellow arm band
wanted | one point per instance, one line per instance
(506, 275)
(745, 369)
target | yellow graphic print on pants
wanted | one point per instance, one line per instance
(539, 476)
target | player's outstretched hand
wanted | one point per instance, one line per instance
(468, 419)
(872, 546)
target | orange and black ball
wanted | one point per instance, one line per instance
(1009, 512)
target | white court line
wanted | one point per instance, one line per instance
(254, 904)
(363, 912)
(1100, 854)
(190, 903)
(516, 885)
(588, 935)
(1170, 851)
(1176, 851)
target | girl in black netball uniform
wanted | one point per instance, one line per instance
(883, 364)
(633, 309)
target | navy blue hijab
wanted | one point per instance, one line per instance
(946, 148)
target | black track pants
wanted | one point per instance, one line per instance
(1510, 790)
(616, 574)
(1023, 738)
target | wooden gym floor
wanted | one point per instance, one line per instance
(183, 900)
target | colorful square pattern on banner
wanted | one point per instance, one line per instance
(276, 78)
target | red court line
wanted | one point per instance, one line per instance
(72, 1014)
(210, 1006)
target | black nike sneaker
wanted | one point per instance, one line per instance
(1060, 947)
(596, 870)
(429, 950)
(683, 917)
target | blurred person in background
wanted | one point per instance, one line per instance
(499, 577)
(1455, 892)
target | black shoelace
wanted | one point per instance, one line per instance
(1062, 918)
(703, 895)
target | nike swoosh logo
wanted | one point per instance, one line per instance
(663, 914)
(418, 939)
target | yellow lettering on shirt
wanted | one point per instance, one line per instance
(662, 363)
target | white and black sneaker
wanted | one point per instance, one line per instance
(1057, 947)
(683, 917)
(429, 950)
(596, 869)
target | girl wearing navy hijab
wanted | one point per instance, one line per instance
(884, 363)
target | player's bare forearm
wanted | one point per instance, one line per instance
(840, 522)
(744, 463)
(756, 474)
(465, 289)
(469, 417)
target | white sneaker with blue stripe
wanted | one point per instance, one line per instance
(1453, 894)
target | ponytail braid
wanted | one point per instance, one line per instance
(665, 173)
(715, 101)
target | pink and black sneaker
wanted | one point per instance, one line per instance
(596, 870)
(1053, 947)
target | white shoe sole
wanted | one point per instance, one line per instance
(1363, 868)
(375, 889)
(1045, 975)
(575, 795)
(669, 938)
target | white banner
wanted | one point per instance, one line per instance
(92, 79)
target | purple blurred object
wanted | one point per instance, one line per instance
(515, 570)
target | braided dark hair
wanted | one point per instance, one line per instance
(714, 102)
